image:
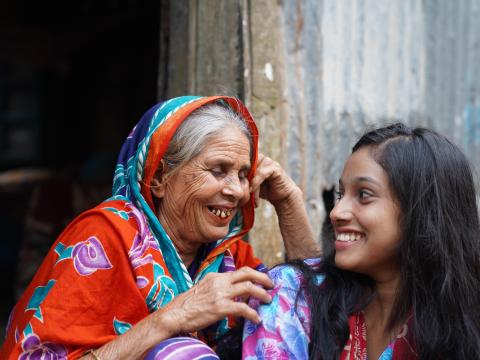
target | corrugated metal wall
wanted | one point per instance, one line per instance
(316, 73)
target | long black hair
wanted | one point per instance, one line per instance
(439, 252)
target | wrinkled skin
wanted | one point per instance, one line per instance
(216, 296)
(214, 179)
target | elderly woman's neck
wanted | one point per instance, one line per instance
(187, 250)
(187, 256)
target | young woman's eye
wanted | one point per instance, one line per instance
(364, 195)
(338, 195)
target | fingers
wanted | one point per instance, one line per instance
(265, 168)
(240, 309)
(263, 172)
(247, 289)
(254, 276)
(256, 196)
(247, 282)
(218, 295)
(271, 182)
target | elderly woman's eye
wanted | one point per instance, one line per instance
(216, 172)
(242, 175)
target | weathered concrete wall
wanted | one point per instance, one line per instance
(204, 53)
(266, 102)
(317, 73)
(286, 102)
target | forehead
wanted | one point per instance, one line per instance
(229, 142)
(361, 164)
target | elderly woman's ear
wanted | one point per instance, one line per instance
(157, 185)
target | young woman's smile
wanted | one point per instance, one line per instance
(366, 218)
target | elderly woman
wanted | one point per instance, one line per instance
(161, 263)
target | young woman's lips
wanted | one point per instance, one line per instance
(345, 240)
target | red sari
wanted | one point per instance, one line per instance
(114, 264)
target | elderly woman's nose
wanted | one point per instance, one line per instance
(233, 186)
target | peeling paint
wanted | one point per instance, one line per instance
(267, 211)
(268, 71)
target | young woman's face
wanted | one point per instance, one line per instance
(366, 219)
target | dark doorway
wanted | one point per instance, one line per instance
(74, 78)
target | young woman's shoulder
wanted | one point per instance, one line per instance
(284, 330)
(290, 276)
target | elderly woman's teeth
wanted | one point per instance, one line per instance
(221, 213)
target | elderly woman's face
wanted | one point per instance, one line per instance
(201, 198)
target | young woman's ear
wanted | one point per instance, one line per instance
(157, 185)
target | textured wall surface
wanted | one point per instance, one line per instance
(417, 61)
(353, 63)
(317, 73)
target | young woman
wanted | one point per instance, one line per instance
(400, 278)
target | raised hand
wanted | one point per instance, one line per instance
(272, 183)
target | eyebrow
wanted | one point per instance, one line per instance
(229, 163)
(359, 179)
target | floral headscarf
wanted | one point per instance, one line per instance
(138, 160)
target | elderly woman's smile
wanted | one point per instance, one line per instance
(203, 196)
(222, 213)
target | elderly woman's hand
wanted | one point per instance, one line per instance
(214, 297)
(272, 183)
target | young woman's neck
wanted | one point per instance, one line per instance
(377, 317)
(382, 304)
(387, 282)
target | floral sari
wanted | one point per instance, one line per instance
(284, 333)
(115, 264)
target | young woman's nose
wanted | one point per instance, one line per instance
(341, 211)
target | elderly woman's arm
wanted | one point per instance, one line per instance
(272, 183)
(209, 301)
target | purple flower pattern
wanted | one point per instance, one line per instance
(143, 241)
(33, 349)
(89, 256)
(283, 333)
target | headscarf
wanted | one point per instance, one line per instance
(140, 157)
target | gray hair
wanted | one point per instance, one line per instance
(192, 135)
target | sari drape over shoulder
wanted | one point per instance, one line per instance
(115, 264)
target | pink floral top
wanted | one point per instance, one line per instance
(284, 332)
